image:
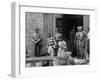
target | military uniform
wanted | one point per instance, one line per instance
(80, 41)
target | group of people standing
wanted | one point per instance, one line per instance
(57, 46)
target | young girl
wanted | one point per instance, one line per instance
(62, 48)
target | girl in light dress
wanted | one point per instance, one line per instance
(62, 48)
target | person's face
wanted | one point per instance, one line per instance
(73, 27)
(60, 39)
(87, 30)
(79, 30)
(49, 36)
(36, 31)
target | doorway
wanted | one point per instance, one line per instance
(65, 26)
(68, 21)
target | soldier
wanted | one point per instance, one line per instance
(72, 38)
(80, 41)
(88, 42)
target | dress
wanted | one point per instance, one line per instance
(62, 49)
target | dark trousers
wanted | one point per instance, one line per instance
(37, 50)
(56, 51)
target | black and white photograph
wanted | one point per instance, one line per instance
(54, 39)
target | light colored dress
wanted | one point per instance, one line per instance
(62, 48)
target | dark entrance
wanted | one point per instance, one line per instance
(65, 26)
(69, 21)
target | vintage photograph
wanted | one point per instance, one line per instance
(56, 39)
